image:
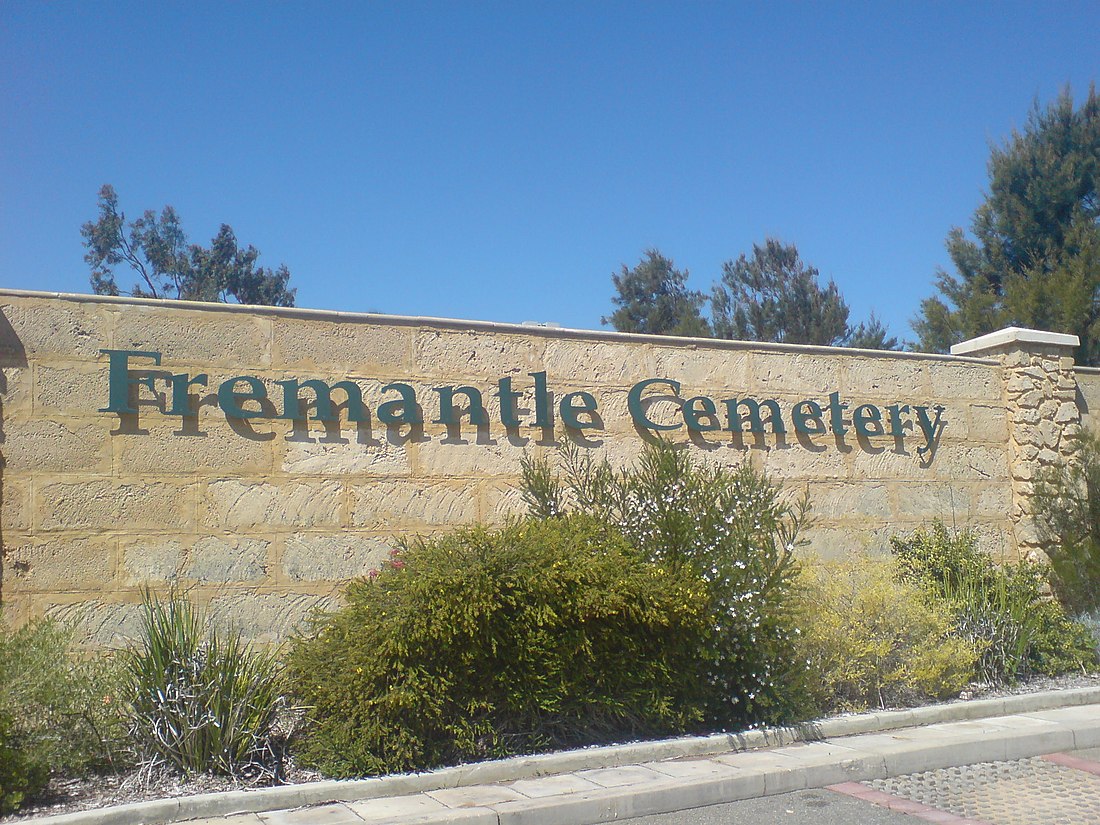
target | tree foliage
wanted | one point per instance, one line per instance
(774, 296)
(653, 299)
(167, 266)
(1033, 258)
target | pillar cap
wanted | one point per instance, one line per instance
(1019, 336)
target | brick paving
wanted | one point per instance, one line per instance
(1058, 789)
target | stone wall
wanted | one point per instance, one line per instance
(1088, 396)
(261, 518)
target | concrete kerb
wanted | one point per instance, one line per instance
(528, 767)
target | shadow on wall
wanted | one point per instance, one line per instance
(12, 356)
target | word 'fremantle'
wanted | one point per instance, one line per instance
(654, 404)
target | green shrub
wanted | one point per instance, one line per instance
(200, 702)
(483, 644)
(1001, 609)
(875, 641)
(1068, 508)
(56, 713)
(729, 528)
(23, 768)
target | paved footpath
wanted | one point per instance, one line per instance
(875, 768)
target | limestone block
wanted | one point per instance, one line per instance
(112, 504)
(620, 450)
(58, 446)
(1047, 457)
(976, 381)
(1050, 432)
(600, 362)
(987, 423)
(72, 388)
(889, 464)
(885, 379)
(700, 367)
(379, 457)
(794, 461)
(727, 456)
(1023, 471)
(161, 447)
(471, 355)
(15, 390)
(992, 500)
(1067, 413)
(1031, 399)
(971, 462)
(16, 505)
(831, 542)
(928, 501)
(234, 504)
(47, 327)
(1049, 408)
(660, 405)
(391, 504)
(444, 457)
(226, 560)
(1026, 532)
(267, 618)
(502, 502)
(151, 560)
(100, 624)
(1089, 385)
(1038, 374)
(1024, 415)
(346, 347)
(815, 376)
(835, 502)
(324, 557)
(199, 337)
(996, 539)
(56, 564)
(1027, 452)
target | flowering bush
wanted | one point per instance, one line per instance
(729, 529)
(1000, 609)
(875, 641)
(55, 713)
(483, 644)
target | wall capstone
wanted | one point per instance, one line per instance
(1040, 396)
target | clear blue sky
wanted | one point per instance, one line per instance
(499, 160)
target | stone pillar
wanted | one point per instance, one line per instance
(1040, 397)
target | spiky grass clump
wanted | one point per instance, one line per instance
(202, 701)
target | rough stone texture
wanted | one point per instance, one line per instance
(311, 557)
(260, 520)
(235, 504)
(267, 618)
(237, 339)
(379, 506)
(105, 504)
(1043, 416)
(1088, 399)
(350, 349)
(60, 564)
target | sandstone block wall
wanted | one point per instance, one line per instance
(1088, 396)
(261, 519)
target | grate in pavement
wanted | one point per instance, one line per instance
(1021, 792)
